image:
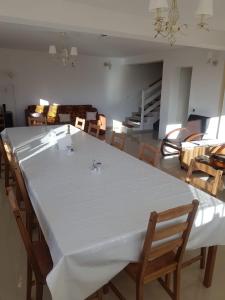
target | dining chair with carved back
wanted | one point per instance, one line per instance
(94, 129)
(163, 250)
(118, 140)
(149, 154)
(80, 123)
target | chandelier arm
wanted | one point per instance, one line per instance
(169, 26)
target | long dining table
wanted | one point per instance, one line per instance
(95, 222)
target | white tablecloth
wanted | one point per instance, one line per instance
(94, 224)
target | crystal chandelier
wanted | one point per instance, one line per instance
(64, 54)
(167, 19)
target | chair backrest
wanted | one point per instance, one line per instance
(149, 154)
(37, 121)
(5, 151)
(2, 150)
(20, 184)
(220, 149)
(212, 184)
(80, 123)
(171, 235)
(24, 234)
(94, 129)
(118, 140)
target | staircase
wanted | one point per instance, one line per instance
(149, 109)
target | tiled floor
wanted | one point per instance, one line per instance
(13, 258)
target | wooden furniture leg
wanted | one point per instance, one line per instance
(0, 164)
(203, 259)
(29, 280)
(210, 264)
(39, 291)
(6, 176)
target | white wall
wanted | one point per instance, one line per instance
(184, 87)
(114, 92)
(205, 85)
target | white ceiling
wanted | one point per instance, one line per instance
(137, 7)
(17, 36)
(140, 8)
(34, 25)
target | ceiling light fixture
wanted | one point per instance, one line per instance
(167, 18)
(204, 12)
(65, 54)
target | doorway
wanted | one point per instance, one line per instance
(184, 94)
(7, 97)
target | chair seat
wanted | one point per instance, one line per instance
(43, 257)
(163, 265)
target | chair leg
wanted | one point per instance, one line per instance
(99, 295)
(176, 285)
(139, 291)
(39, 291)
(29, 281)
(168, 280)
(116, 291)
(203, 259)
(0, 165)
(105, 289)
(6, 175)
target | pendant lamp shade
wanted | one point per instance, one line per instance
(158, 4)
(52, 49)
(205, 7)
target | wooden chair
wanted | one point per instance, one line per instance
(6, 156)
(24, 199)
(163, 259)
(118, 140)
(2, 157)
(39, 258)
(37, 121)
(169, 143)
(80, 123)
(94, 129)
(96, 296)
(149, 154)
(215, 157)
(211, 185)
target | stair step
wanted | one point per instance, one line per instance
(136, 114)
(152, 97)
(134, 123)
(127, 125)
(134, 120)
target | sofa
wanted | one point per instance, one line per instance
(61, 114)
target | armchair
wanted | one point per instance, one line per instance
(172, 146)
